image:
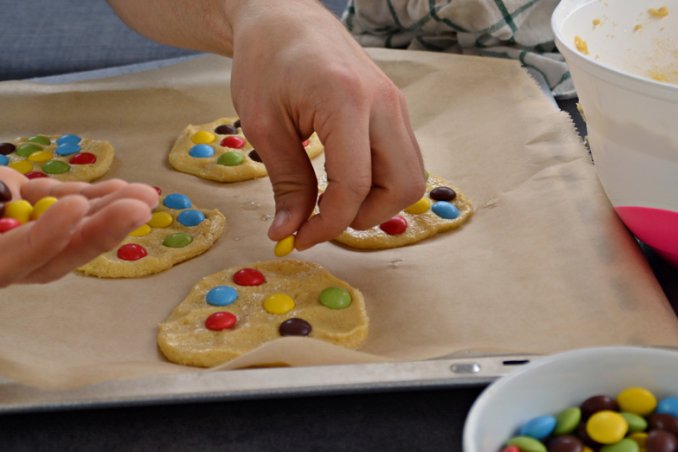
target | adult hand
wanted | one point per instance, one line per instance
(87, 220)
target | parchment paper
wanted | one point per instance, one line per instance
(543, 266)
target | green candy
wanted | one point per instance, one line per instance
(40, 139)
(526, 444)
(230, 158)
(26, 149)
(56, 167)
(636, 423)
(335, 298)
(625, 445)
(178, 240)
(567, 421)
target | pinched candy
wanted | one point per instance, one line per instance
(284, 246)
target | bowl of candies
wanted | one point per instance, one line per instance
(609, 399)
(623, 59)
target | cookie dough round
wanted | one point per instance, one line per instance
(220, 152)
(174, 234)
(291, 289)
(424, 219)
(63, 157)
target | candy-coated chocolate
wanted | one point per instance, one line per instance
(158, 189)
(221, 296)
(41, 156)
(68, 138)
(442, 194)
(177, 240)
(539, 427)
(4, 160)
(335, 298)
(284, 247)
(19, 209)
(2, 209)
(7, 224)
(279, 303)
(526, 444)
(231, 158)
(56, 167)
(305, 143)
(221, 320)
(249, 277)
(254, 155)
(5, 192)
(201, 151)
(131, 252)
(160, 220)
(419, 207)
(668, 405)
(41, 206)
(565, 443)
(236, 124)
(83, 158)
(203, 137)
(663, 421)
(624, 445)
(606, 427)
(636, 423)
(35, 174)
(640, 438)
(7, 148)
(567, 421)
(177, 201)
(233, 142)
(22, 166)
(141, 231)
(40, 139)
(26, 149)
(226, 129)
(661, 441)
(67, 149)
(295, 327)
(395, 226)
(191, 217)
(597, 403)
(636, 400)
(445, 210)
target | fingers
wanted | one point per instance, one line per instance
(103, 196)
(92, 236)
(13, 179)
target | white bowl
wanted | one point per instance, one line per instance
(550, 384)
(632, 118)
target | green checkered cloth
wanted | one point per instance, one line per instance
(518, 29)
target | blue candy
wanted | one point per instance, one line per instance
(539, 427)
(445, 210)
(668, 405)
(177, 201)
(191, 217)
(221, 296)
(69, 138)
(3, 160)
(68, 148)
(201, 151)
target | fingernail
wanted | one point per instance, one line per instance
(279, 221)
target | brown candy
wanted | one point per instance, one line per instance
(442, 194)
(583, 435)
(254, 156)
(7, 148)
(5, 193)
(295, 327)
(597, 403)
(565, 443)
(236, 124)
(661, 441)
(663, 421)
(226, 129)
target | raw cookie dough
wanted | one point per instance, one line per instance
(236, 310)
(442, 208)
(177, 231)
(220, 152)
(64, 157)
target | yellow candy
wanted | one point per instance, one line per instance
(203, 137)
(142, 230)
(160, 220)
(284, 246)
(640, 438)
(20, 210)
(41, 206)
(279, 303)
(419, 207)
(607, 427)
(41, 156)
(637, 400)
(22, 166)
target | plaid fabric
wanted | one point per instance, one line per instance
(518, 29)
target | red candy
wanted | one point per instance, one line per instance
(511, 449)
(7, 224)
(83, 158)
(131, 252)
(248, 277)
(220, 321)
(35, 175)
(395, 226)
(232, 141)
(158, 189)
